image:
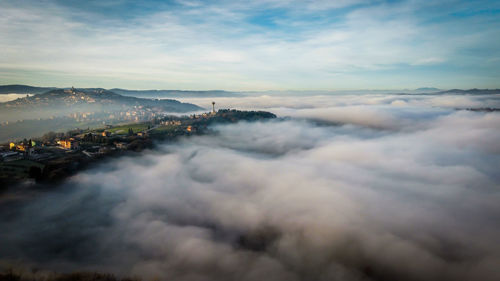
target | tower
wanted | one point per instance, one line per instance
(213, 107)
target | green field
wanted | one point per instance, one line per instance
(167, 128)
(123, 129)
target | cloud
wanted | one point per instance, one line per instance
(288, 199)
(382, 111)
(247, 46)
(9, 97)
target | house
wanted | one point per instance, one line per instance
(22, 147)
(69, 144)
(121, 145)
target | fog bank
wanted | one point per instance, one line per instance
(378, 191)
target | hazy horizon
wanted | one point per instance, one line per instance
(388, 90)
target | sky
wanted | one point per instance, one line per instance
(251, 45)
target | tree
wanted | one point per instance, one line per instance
(35, 173)
(48, 137)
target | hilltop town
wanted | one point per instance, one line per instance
(64, 109)
(97, 97)
(55, 156)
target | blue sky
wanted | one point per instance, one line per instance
(251, 45)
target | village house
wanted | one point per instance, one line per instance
(121, 145)
(69, 144)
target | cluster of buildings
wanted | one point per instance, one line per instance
(102, 141)
(29, 149)
(82, 116)
(138, 113)
(203, 115)
(171, 122)
(135, 114)
(21, 150)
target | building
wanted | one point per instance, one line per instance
(26, 147)
(106, 133)
(121, 145)
(69, 144)
(22, 147)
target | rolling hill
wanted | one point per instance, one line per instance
(95, 99)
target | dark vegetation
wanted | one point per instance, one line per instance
(36, 275)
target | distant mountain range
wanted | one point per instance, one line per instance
(175, 93)
(24, 89)
(427, 89)
(96, 98)
(455, 92)
(471, 91)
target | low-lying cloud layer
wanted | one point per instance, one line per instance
(380, 111)
(288, 199)
(9, 97)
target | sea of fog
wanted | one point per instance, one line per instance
(350, 187)
(10, 97)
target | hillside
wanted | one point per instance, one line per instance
(94, 98)
(23, 89)
(60, 110)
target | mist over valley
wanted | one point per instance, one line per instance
(350, 187)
